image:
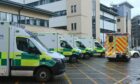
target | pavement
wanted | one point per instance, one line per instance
(92, 71)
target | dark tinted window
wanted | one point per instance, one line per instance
(64, 44)
(26, 45)
(98, 45)
(110, 39)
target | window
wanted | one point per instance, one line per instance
(118, 20)
(26, 45)
(60, 13)
(46, 23)
(31, 21)
(27, 20)
(38, 22)
(80, 44)
(3, 16)
(73, 26)
(119, 30)
(9, 17)
(34, 21)
(64, 44)
(73, 9)
(15, 18)
(42, 23)
(22, 44)
(22, 19)
(98, 45)
(110, 39)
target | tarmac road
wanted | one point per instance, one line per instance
(92, 71)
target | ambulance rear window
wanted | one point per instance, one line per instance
(110, 39)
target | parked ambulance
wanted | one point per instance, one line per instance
(85, 45)
(98, 49)
(22, 55)
(59, 43)
(117, 47)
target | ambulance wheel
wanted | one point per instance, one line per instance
(73, 59)
(86, 56)
(43, 74)
(103, 55)
(127, 59)
(110, 59)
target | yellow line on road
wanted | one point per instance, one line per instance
(99, 71)
(93, 81)
(119, 82)
(111, 69)
(67, 78)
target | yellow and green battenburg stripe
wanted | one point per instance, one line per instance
(65, 51)
(3, 59)
(26, 60)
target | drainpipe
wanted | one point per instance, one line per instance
(19, 14)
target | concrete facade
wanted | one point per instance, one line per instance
(82, 17)
(124, 19)
(10, 13)
(122, 24)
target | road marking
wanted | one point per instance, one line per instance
(99, 71)
(119, 82)
(110, 69)
(67, 78)
(93, 81)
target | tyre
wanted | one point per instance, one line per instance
(73, 59)
(86, 56)
(135, 55)
(110, 59)
(127, 59)
(43, 75)
(103, 55)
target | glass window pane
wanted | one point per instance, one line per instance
(15, 18)
(9, 17)
(34, 21)
(22, 19)
(3, 16)
(42, 23)
(46, 23)
(27, 20)
(38, 22)
(31, 21)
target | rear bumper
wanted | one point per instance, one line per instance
(119, 56)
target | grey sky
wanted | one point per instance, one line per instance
(135, 3)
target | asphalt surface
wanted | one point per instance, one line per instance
(92, 71)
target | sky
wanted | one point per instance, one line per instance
(135, 3)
